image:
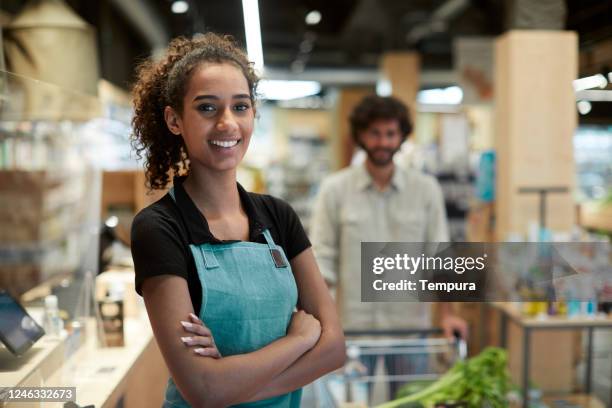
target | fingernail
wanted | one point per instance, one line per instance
(194, 316)
(200, 351)
(186, 339)
(186, 325)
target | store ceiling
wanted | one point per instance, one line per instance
(354, 33)
(351, 33)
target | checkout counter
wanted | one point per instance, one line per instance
(131, 376)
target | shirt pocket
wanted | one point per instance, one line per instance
(410, 226)
(351, 223)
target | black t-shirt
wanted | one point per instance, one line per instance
(162, 233)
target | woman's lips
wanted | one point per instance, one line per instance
(226, 144)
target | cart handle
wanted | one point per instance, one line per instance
(398, 332)
(460, 343)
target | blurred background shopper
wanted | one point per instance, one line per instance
(378, 201)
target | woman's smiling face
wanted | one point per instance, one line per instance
(217, 119)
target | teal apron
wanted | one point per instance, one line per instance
(248, 297)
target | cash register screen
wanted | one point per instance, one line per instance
(18, 331)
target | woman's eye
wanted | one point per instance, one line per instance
(206, 108)
(242, 107)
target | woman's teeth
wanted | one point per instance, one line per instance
(222, 143)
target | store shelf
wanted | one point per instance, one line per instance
(558, 367)
(34, 366)
(102, 376)
(596, 216)
(568, 401)
(513, 312)
(581, 400)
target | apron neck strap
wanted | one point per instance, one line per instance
(277, 254)
(269, 240)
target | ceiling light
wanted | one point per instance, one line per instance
(453, 95)
(589, 82)
(584, 107)
(112, 221)
(313, 17)
(252, 32)
(180, 7)
(383, 87)
(285, 90)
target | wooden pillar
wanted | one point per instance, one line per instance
(402, 70)
(343, 145)
(535, 111)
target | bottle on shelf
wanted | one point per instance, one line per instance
(53, 323)
(112, 315)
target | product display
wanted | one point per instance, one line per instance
(112, 317)
(482, 380)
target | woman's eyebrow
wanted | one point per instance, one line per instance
(199, 97)
(215, 97)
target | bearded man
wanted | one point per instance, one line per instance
(378, 201)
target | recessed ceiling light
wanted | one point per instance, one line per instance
(453, 95)
(313, 17)
(112, 221)
(589, 82)
(383, 87)
(285, 90)
(180, 7)
(584, 107)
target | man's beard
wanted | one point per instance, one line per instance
(381, 157)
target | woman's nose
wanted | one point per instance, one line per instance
(226, 121)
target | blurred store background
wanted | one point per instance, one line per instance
(511, 99)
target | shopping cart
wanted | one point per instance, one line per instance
(372, 374)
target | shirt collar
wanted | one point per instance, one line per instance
(197, 225)
(365, 181)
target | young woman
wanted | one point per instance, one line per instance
(240, 260)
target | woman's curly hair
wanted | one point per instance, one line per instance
(163, 83)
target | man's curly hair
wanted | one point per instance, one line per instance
(163, 83)
(372, 108)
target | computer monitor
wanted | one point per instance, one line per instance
(18, 331)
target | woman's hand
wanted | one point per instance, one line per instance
(305, 326)
(200, 337)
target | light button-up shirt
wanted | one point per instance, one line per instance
(350, 209)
